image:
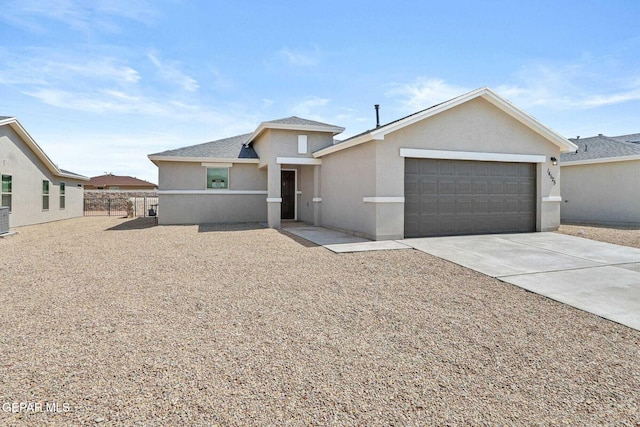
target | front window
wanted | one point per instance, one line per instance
(62, 195)
(45, 195)
(218, 178)
(6, 191)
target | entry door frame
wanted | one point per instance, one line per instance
(295, 193)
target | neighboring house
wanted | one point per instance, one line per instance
(116, 182)
(601, 180)
(33, 187)
(473, 164)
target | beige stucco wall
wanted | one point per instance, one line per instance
(376, 169)
(346, 177)
(193, 176)
(274, 143)
(305, 198)
(28, 172)
(605, 193)
(210, 206)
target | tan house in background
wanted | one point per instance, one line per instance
(118, 182)
(473, 164)
(601, 181)
(33, 187)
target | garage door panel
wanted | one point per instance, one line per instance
(480, 169)
(468, 197)
(429, 187)
(510, 205)
(447, 205)
(447, 186)
(511, 187)
(480, 187)
(464, 186)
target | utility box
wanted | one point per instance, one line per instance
(4, 219)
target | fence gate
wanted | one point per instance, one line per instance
(117, 206)
(105, 207)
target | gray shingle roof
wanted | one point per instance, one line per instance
(5, 117)
(297, 121)
(634, 137)
(227, 148)
(602, 147)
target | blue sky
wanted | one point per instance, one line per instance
(100, 84)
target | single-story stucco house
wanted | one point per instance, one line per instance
(33, 187)
(473, 164)
(601, 181)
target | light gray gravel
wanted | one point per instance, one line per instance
(184, 325)
(629, 236)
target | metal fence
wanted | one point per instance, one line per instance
(113, 206)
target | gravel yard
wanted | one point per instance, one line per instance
(132, 324)
(620, 236)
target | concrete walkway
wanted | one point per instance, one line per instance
(339, 242)
(597, 277)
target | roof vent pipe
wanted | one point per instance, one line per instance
(578, 137)
(377, 107)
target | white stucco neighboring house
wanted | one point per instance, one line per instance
(33, 187)
(601, 181)
(473, 164)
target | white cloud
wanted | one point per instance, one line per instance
(584, 84)
(79, 15)
(298, 58)
(171, 73)
(424, 92)
(566, 87)
(308, 108)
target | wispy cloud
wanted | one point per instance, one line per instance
(35, 69)
(568, 86)
(424, 92)
(308, 108)
(79, 15)
(170, 71)
(299, 58)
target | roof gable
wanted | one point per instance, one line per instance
(15, 125)
(485, 93)
(295, 123)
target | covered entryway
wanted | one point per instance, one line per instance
(452, 197)
(288, 193)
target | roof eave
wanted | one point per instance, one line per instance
(74, 176)
(600, 160)
(485, 93)
(33, 145)
(563, 143)
(155, 158)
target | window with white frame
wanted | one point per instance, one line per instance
(45, 195)
(6, 191)
(63, 190)
(302, 144)
(218, 178)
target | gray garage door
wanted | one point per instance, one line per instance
(449, 197)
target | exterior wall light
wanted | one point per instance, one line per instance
(554, 161)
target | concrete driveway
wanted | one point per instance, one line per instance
(597, 277)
